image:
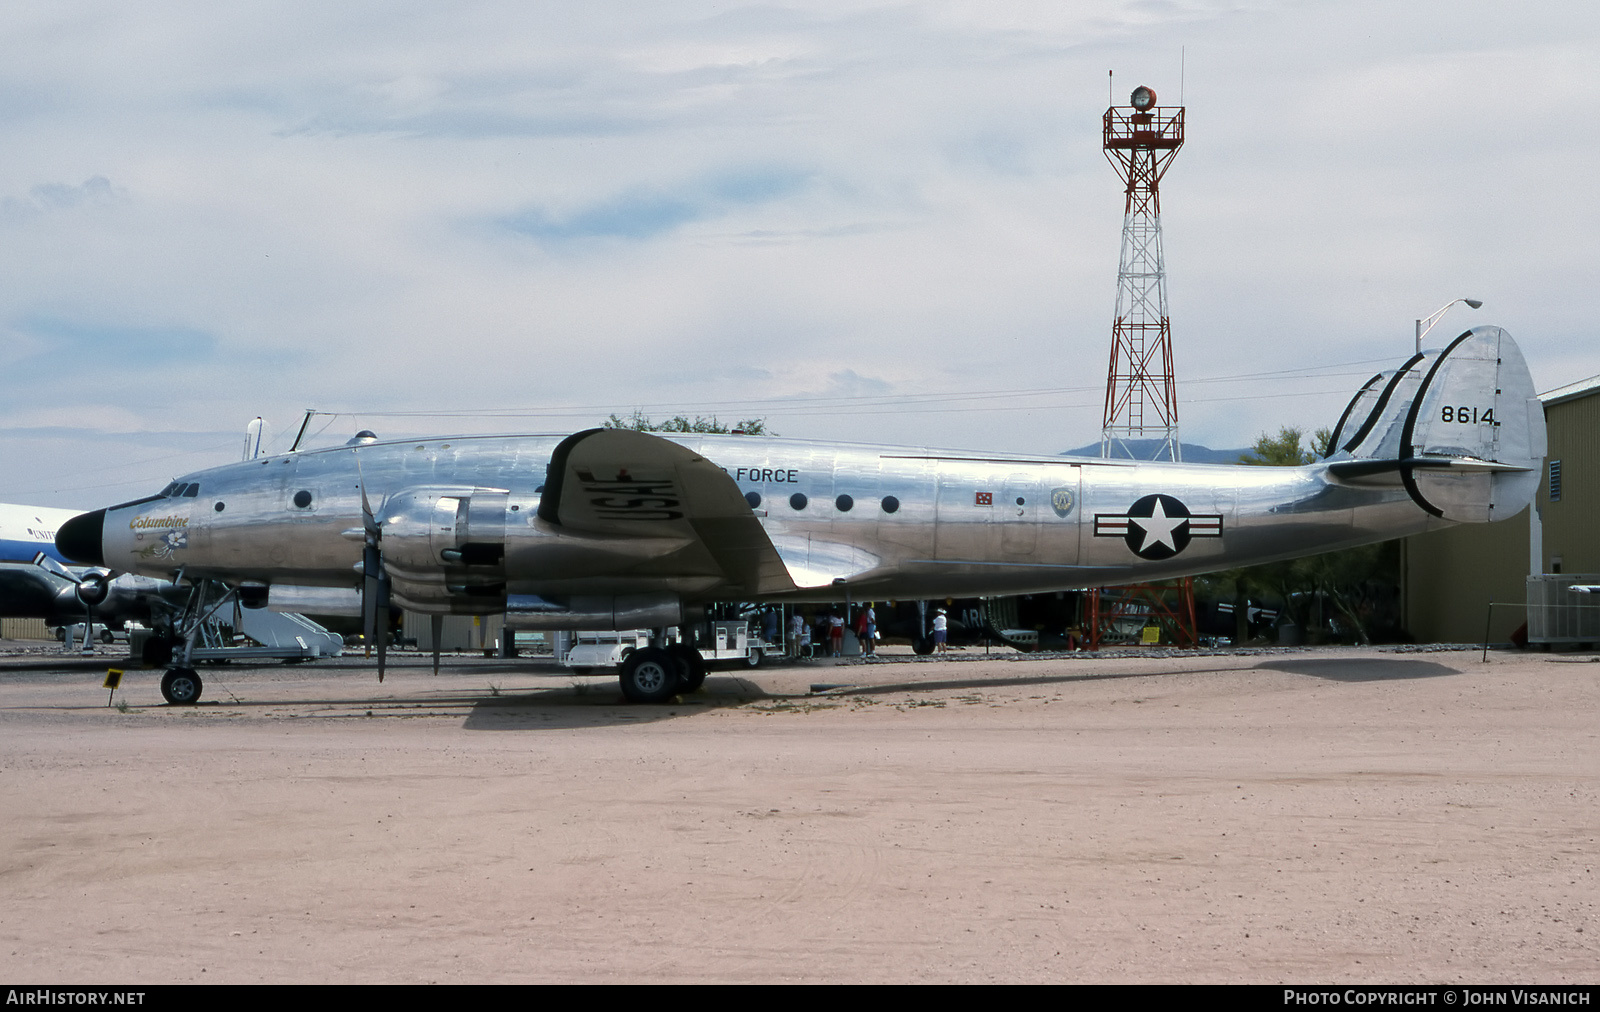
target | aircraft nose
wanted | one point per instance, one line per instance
(79, 538)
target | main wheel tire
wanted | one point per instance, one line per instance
(922, 646)
(181, 686)
(691, 667)
(649, 676)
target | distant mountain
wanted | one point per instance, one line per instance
(1145, 449)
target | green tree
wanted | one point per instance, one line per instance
(641, 422)
(1283, 450)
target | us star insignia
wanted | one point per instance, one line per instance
(1157, 526)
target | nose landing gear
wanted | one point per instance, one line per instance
(181, 686)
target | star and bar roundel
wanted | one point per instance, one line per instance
(1157, 526)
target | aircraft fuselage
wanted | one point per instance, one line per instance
(887, 522)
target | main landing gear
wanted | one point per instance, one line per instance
(181, 686)
(656, 674)
(691, 667)
(650, 675)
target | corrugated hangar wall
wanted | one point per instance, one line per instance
(24, 629)
(1451, 576)
(1569, 524)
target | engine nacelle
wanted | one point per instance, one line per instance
(444, 549)
(457, 550)
(94, 587)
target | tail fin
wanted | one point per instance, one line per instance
(1462, 430)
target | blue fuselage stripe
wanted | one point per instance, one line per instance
(24, 551)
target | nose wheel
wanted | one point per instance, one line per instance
(181, 686)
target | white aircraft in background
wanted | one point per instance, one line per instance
(36, 581)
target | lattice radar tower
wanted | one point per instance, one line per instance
(1141, 140)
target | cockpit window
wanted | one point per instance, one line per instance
(170, 491)
(191, 490)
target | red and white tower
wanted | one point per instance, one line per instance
(1141, 394)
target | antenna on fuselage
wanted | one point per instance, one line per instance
(255, 435)
(310, 412)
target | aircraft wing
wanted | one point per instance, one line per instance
(26, 591)
(619, 484)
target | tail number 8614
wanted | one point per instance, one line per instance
(1466, 416)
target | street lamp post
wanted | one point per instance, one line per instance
(1427, 322)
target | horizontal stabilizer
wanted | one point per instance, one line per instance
(1387, 472)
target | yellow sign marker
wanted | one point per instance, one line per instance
(113, 678)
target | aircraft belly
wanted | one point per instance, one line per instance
(690, 589)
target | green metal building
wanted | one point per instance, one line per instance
(1450, 578)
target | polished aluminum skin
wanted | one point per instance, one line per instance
(628, 529)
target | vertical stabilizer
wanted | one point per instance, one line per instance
(1477, 403)
(1462, 430)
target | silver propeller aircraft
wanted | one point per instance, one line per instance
(615, 529)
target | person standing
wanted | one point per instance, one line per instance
(941, 629)
(836, 634)
(869, 631)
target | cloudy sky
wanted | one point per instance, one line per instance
(878, 221)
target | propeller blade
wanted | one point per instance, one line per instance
(369, 520)
(371, 566)
(374, 581)
(383, 617)
(383, 645)
(55, 568)
(437, 622)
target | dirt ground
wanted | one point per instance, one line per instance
(1300, 816)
